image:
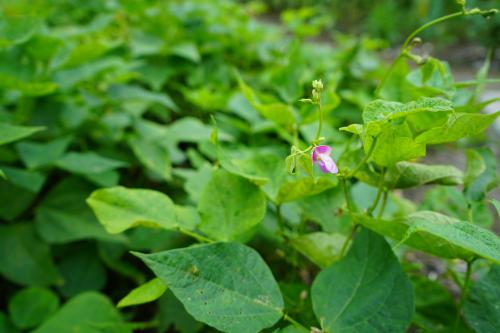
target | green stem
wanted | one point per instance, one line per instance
(348, 240)
(294, 322)
(320, 126)
(384, 202)
(475, 82)
(465, 290)
(194, 235)
(347, 196)
(428, 25)
(365, 159)
(379, 192)
(408, 40)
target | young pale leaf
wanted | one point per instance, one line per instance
(320, 247)
(225, 285)
(386, 110)
(482, 306)
(230, 206)
(439, 235)
(366, 291)
(31, 306)
(10, 133)
(458, 126)
(86, 313)
(119, 208)
(148, 292)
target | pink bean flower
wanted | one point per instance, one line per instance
(321, 155)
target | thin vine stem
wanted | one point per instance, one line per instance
(384, 202)
(379, 192)
(294, 322)
(365, 159)
(465, 290)
(404, 48)
(348, 240)
(320, 126)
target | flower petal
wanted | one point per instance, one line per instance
(327, 165)
(319, 150)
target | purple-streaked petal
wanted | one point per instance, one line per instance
(319, 150)
(327, 165)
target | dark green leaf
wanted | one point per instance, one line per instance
(225, 285)
(367, 291)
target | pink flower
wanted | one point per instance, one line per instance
(321, 155)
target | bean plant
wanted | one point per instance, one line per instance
(196, 181)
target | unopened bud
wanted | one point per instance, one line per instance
(317, 85)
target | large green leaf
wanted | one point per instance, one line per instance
(380, 110)
(86, 313)
(119, 208)
(406, 174)
(457, 126)
(230, 206)
(225, 285)
(24, 258)
(31, 306)
(482, 306)
(439, 235)
(367, 291)
(10, 133)
(145, 293)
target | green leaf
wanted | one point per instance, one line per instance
(295, 189)
(172, 313)
(186, 50)
(438, 234)
(81, 270)
(380, 110)
(476, 190)
(225, 285)
(88, 163)
(18, 191)
(148, 292)
(230, 206)
(119, 208)
(482, 305)
(406, 174)
(32, 306)
(130, 92)
(10, 133)
(496, 203)
(35, 155)
(320, 247)
(89, 312)
(62, 216)
(24, 259)
(153, 156)
(6, 326)
(366, 291)
(457, 126)
(395, 143)
(475, 166)
(279, 113)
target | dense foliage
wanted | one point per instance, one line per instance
(166, 166)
